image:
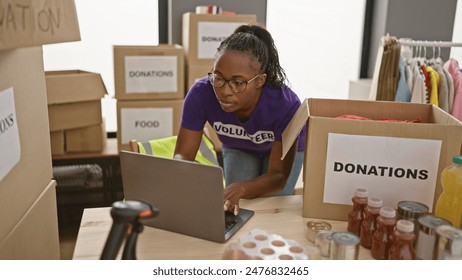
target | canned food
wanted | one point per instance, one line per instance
(411, 210)
(313, 227)
(426, 235)
(344, 246)
(322, 241)
(448, 243)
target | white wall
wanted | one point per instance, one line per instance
(457, 34)
(319, 43)
(104, 23)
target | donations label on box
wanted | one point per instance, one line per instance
(10, 148)
(210, 35)
(145, 74)
(390, 168)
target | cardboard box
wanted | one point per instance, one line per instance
(203, 33)
(147, 120)
(196, 72)
(25, 164)
(149, 72)
(437, 128)
(73, 86)
(74, 115)
(35, 236)
(57, 142)
(38, 22)
(86, 139)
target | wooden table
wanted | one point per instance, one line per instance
(278, 215)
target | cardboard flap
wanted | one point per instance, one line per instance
(38, 22)
(68, 86)
(294, 127)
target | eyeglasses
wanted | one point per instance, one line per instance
(236, 86)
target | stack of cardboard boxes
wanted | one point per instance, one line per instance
(27, 191)
(149, 88)
(74, 109)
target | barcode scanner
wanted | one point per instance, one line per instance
(126, 226)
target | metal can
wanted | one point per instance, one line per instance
(313, 227)
(344, 246)
(322, 241)
(426, 235)
(448, 243)
(411, 210)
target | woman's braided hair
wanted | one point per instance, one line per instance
(257, 41)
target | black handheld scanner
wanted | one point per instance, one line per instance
(125, 216)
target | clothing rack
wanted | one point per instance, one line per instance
(425, 43)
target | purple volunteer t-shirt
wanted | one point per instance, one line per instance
(266, 124)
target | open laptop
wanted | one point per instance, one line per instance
(189, 195)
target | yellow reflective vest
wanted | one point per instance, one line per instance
(165, 147)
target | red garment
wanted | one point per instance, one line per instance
(354, 117)
(427, 83)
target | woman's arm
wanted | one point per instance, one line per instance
(272, 181)
(187, 144)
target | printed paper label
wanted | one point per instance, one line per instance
(151, 74)
(144, 124)
(210, 35)
(390, 168)
(10, 146)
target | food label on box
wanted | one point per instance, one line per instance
(210, 35)
(10, 148)
(151, 74)
(390, 168)
(144, 124)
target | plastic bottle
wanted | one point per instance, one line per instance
(383, 236)
(449, 204)
(403, 241)
(368, 226)
(356, 215)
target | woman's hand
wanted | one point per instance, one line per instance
(232, 195)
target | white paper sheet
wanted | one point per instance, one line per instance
(10, 146)
(391, 168)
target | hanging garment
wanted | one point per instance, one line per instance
(418, 90)
(433, 82)
(443, 88)
(409, 76)
(403, 93)
(450, 87)
(427, 83)
(453, 68)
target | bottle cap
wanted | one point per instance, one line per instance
(387, 212)
(375, 202)
(360, 192)
(457, 159)
(405, 226)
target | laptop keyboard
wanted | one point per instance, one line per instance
(230, 221)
